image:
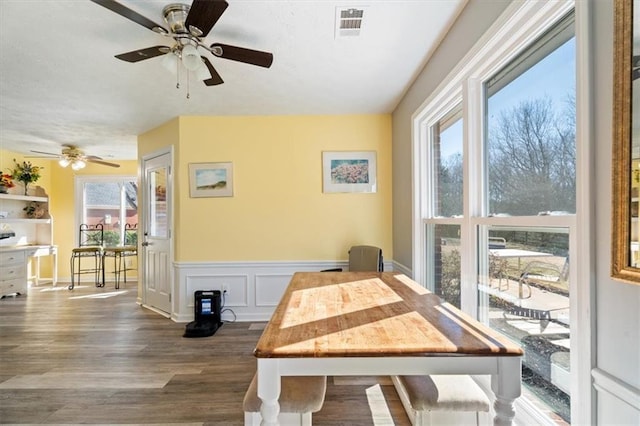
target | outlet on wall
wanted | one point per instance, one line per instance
(225, 289)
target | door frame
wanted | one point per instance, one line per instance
(142, 214)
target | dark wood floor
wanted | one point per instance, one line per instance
(94, 356)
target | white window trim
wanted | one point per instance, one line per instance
(519, 25)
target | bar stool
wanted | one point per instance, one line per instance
(90, 241)
(120, 253)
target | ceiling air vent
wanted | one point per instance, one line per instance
(348, 22)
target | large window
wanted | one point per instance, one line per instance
(111, 201)
(498, 205)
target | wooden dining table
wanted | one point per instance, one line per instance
(373, 324)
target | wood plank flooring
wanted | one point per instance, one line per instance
(92, 356)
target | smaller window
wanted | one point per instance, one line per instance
(111, 202)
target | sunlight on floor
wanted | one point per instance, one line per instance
(379, 410)
(60, 288)
(101, 295)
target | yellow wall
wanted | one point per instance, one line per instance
(158, 138)
(278, 210)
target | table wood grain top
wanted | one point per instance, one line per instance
(368, 314)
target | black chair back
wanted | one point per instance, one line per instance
(91, 235)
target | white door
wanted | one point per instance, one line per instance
(156, 233)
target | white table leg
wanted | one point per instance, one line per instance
(506, 385)
(269, 391)
(36, 278)
(55, 266)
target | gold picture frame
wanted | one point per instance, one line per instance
(625, 244)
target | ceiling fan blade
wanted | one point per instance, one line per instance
(240, 54)
(46, 153)
(121, 10)
(215, 77)
(98, 160)
(142, 54)
(204, 14)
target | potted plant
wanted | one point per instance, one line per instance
(26, 173)
(6, 182)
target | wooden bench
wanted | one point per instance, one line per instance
(299, 397)
(442, 400)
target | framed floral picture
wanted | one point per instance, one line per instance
(349, 171)
(210, 180)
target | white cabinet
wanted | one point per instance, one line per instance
(13, 272)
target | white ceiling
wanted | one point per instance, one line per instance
(60, 83)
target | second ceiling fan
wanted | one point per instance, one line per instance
(188, 26)
(76, 158)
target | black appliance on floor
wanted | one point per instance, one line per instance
(206, 320)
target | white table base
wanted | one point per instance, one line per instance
(505, 374)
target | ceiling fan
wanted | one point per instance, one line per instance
(188, 26)
(76, 158)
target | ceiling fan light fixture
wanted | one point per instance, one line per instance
(190, 57)
(64, 162)
(202, 73)
(78, 164)
(170, 62)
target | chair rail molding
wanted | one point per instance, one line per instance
(605, 382)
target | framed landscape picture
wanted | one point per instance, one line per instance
(349, 171)
(210, 180)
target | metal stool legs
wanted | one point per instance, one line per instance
(89, 254)
(119, 254)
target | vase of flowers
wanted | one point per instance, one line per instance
(26, 173)
(6, 182)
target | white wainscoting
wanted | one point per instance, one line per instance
(253, 288)
(618, 401)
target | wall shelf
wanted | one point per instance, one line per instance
(28, 230)
(24, 220)
(24, 198)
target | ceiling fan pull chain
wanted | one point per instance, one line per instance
(188, 83)
(177, 74)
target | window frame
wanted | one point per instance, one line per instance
(513, 31)
(79, 195)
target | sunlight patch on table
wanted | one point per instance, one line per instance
(320, 303)
(381, 335)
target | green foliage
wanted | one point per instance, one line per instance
(131, 239)
(450, 284)
(111, 238)
(25, 172)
